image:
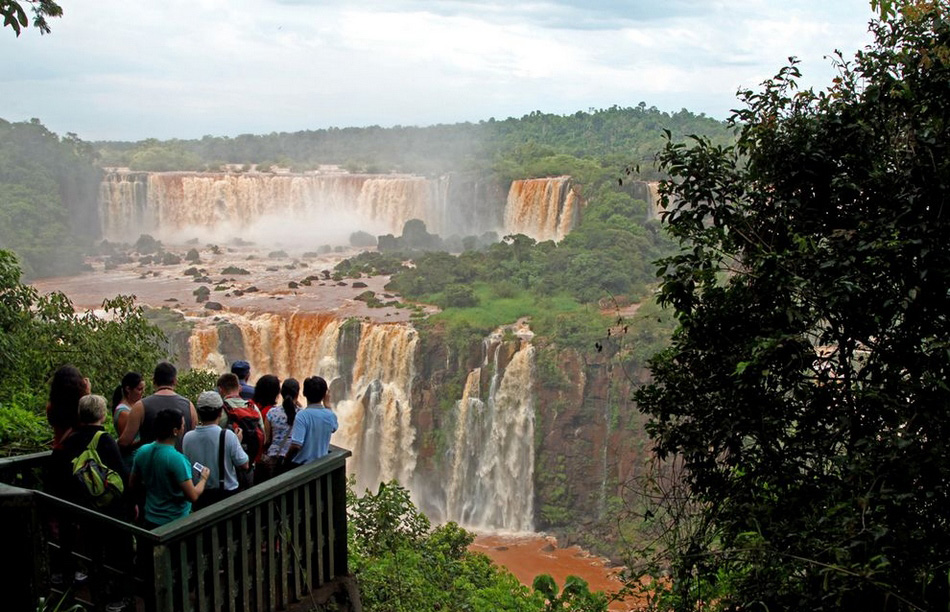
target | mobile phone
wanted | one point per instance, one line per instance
(197, 467)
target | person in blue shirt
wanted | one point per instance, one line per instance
(242, 370)
(165, 473)
(310, 436)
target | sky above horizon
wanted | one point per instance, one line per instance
(131, 69)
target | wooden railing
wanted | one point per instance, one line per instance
(259, 550)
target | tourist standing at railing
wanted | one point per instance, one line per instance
(242, 370)
(62, 410)
(310, 435)
(142, 416)
(91, 420)
(240, 414)
(266, 392)
(217, 448)
(277, 425)
(110, 500)
(129, 391)
(165, 474)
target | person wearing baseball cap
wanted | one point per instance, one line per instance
(216, 448)
(242, 370)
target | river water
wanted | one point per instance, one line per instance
(530, 555)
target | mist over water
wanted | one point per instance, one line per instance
(301, 211)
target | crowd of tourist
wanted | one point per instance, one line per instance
(175, 456)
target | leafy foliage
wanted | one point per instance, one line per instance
(14, 15)
(39, 333)
(805, 390)
(403, 564)
(48, 198)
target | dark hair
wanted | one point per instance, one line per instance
(314, 389)
(241, 369)
(207, 413)
(65, 389)
(266, 390)
(165, 375)
(130, 380)
(228, 382)
(289, 391)
(166, 422)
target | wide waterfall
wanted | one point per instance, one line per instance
(314, 209)
(261, 206)
(487, 474)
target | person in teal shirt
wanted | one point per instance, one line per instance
(165, 473)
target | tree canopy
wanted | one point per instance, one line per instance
(14, 14)
(805, 391)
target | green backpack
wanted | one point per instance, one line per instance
(101, 484)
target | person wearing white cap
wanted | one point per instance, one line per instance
(218, 449)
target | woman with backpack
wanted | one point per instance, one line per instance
(90, 435)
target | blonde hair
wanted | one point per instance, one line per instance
(92, 409)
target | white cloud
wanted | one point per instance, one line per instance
(132, 69)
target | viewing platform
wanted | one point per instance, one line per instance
(280, 542)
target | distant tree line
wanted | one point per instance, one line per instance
(617, 134)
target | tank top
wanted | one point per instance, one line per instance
(154, 404)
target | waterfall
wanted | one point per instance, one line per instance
(486, 481)
(303, 208)
(490, 484)
(217, 206)
(654, 209)
(544, 209)
(376, 417)
(203, 348)
(297, 345)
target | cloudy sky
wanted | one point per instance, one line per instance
(133, 69)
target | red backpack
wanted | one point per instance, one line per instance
(247, 418)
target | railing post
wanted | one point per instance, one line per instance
(24, 544)
(164, 579)
(338, 484)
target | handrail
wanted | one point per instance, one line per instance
(226, 553)
(236, 504)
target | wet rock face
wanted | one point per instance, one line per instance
(587, 440)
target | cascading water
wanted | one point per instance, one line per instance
(327, 207)
(492, 454)
(221, 205)
(544, 209)
(654, 209)
(376, 417)
(297, 345)
(487, 483)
